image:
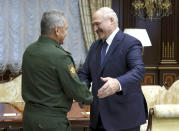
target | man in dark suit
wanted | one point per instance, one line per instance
(115, 68)
(49, 79)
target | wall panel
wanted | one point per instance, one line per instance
(162, 59)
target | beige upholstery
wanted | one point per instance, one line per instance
(170, 96)
(164, 118)
(151, 94)
(164, 107)
(166, 110)
(11, 91)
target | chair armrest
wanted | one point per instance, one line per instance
(166, 110)
(162, 111)
(164, 117)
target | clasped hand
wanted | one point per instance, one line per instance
(83, 106)
(110, 87)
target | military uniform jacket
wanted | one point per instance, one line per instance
(49, 79)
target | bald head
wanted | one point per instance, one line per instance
(104, 22)
(108, 13)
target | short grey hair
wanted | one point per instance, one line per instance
(50, 20)
(108, 13)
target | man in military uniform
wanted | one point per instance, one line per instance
(49, 79)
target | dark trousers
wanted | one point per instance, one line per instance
(101, 128)
(99, 125)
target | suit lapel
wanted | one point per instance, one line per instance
(116, 41)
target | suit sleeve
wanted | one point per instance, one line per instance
(70, 82)
(84, 72)
(136, 67)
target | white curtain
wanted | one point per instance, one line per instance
(87, 8)
(20, 26)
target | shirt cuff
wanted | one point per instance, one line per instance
(120, 89)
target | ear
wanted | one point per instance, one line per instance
(57, 32)
(112, 20)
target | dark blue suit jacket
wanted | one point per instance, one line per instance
(127, 108)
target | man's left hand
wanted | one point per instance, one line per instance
(110, 87)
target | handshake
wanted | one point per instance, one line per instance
(84, 106)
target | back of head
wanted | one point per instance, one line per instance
(108, 13)
(50, 20)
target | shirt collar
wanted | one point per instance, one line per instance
(111, 37)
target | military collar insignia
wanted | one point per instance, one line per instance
(58, 46)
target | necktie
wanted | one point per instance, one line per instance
(103, 52)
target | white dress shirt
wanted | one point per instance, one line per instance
(109, 41)
(110, 38)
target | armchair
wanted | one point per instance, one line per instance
(164, 118)
(163, 106)
(10, 91)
